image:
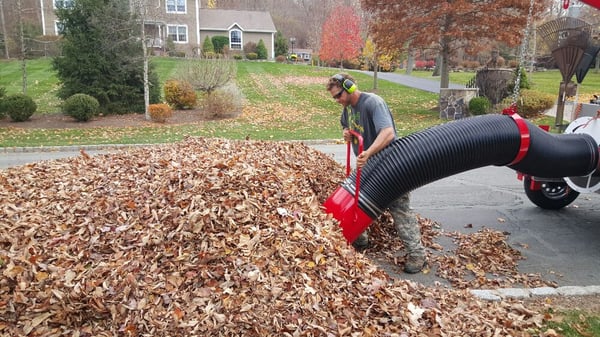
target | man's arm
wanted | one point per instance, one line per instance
(384, 138)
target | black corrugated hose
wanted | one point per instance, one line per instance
(462, 145)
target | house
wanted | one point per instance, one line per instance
(303, 55)
(240, 26)
(186, 25)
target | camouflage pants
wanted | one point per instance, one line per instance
(407, 225)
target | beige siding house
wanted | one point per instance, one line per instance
(240, 26)
(182, 26)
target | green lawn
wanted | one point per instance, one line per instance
(544, 81)
(282, 102)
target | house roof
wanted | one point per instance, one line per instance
(223, 19)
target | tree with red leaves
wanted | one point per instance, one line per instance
(340, 37)
(447, 26)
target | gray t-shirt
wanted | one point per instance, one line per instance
(368, 117)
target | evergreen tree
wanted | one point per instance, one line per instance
(102, 56)
(261, 50)
(207, 47)
(281, 45)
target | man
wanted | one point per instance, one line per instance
(368, 114)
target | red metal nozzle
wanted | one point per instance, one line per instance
(344, 206)
(353, 220)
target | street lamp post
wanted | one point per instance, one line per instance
(292, 40)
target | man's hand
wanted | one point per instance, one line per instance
(385, 136)
(362, 158)
(347, 135)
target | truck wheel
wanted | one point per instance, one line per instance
(552, 195)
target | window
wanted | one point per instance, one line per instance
(59, 27)
(176, 6)
(63, 3)
(178, 33)
(235, 39)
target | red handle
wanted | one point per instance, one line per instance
(360, 150)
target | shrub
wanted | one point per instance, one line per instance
(261, 50)
(176, 53)
(280, 59)
(470, 64)
(524, 81)
(18, 107)
(2, 93)
(250, 47)
(424, 64)
(531, 103)
(207, 47)
(160, 112)
(180, 94)
(210, 55)
(251, 56)
(82, 107)
(219, 43)
(207, 75)
(479, 105)
(223, 102)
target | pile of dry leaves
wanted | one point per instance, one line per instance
(206, 238)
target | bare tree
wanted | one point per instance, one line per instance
(22, 43)
(141, 8)
(4, 32)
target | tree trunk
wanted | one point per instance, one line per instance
(436, 68)
(410, 61)
(375, 72)
(146, 84)
(445, 63)
(23, 49)
(142, 11)
(4, 34)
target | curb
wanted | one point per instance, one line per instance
(524, 293)
(100, 147)
(70, 148)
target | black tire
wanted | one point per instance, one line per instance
(553, 195)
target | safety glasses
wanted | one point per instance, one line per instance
(338, 95)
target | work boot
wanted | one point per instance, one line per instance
(414, 264)
(362, 242)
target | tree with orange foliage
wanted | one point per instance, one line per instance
(449, 25)
(340, 36)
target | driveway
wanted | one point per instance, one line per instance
(562, 246)
(413, 82)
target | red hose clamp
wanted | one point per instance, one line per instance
(523, 130)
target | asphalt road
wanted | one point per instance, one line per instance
(562, 246)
